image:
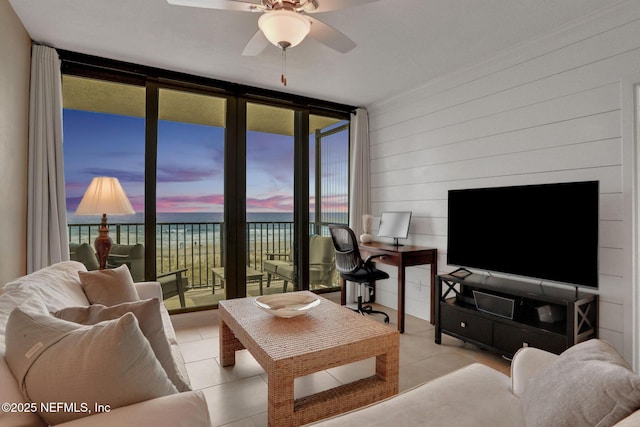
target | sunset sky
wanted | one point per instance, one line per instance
(190, 163)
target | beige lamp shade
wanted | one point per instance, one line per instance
(284, 28)
(105, 196)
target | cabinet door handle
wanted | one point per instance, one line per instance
(463, 324)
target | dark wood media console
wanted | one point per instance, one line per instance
(575, 315)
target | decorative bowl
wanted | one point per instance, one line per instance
(287, 305)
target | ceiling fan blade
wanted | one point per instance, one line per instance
(330, 37)
(328, 5)
(217, 4)
(256, 45)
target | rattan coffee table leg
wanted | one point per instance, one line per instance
(229, 344)
(387, 370)
(280, 408)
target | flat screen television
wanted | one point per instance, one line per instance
(394, 225)
(547, 231)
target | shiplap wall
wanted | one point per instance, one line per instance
(546, 111)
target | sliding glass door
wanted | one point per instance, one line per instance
(104, 128)
(271, 266)
(231, 188)
(190, 198)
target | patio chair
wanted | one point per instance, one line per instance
(84, 253)
(353, 268)
(321, 264)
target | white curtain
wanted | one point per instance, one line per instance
(47, 240)
(359, 203)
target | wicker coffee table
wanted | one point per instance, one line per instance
(328, 335)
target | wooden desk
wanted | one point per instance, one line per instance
(402, 257)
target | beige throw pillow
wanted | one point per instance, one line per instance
(109, 287)
(150, 320)
(82, 367)
(589, 384)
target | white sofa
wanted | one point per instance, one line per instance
(477, 395)
(58, 286)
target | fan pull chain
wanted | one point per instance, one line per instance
(283, 77)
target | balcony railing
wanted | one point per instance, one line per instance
(197, 246)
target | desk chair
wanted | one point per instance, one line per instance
(353, 268)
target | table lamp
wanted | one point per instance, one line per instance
(104, 196)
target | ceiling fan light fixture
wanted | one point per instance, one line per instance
(284, 28)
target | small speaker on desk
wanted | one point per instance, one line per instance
(494, 304)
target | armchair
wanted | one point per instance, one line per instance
(132, 255)
(321, 264)
(84, 253)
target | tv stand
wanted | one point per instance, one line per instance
(575, 314)
(461, 273)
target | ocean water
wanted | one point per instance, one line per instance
(190, 228)
(181, 218)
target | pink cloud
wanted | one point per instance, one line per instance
(189, 203)
(273, 203)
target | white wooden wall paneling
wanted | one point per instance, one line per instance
(587, 155)
(488, 77)
(545, 111)
(390, 195)
(537, 80)
(582, 104)
(572, 131)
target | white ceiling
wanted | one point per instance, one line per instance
(402, 44)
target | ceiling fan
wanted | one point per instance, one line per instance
(285, 23)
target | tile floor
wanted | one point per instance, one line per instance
(237, 396)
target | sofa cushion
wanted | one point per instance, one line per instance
(109, 287)
(10, 393)
(149, 317)
(475, 395)
(58, 285)
(588, 384)
(110, 363)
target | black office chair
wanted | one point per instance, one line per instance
(353, 268)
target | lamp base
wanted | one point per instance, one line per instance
(103, 243)
(366, 238)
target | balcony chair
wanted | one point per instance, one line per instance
(321, 264)
(173, 282)
(353, 268)
(84, 253)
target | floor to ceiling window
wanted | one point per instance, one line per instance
(104, 135)
(215, 176)
(329, 172)
(269, 199)
(190, 197)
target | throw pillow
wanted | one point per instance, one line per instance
(81, 368)
(589, 384)
(109, 287)
(150, 320)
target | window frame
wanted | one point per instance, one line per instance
(237, 96)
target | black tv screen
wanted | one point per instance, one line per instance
(547, 231)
